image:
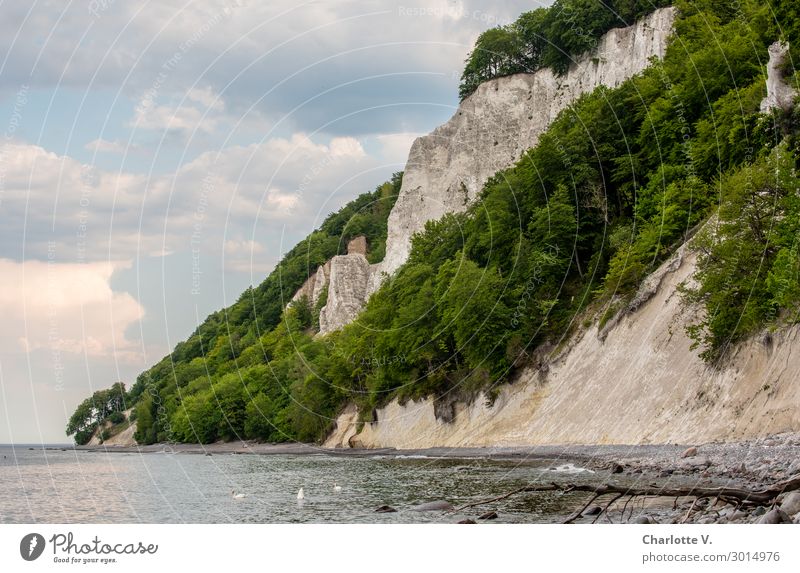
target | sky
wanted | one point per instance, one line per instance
(157, 157)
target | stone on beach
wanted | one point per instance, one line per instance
(775, 516)
(644, 519)
(791, 503)
(689, 453)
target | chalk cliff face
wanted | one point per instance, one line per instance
(346, 277)
(347, 291)
(123, 438)
(637, 382)
(491, 129)
(780, 95)
(495, 125)
(314, 285)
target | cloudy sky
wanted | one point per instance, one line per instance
(157, 157)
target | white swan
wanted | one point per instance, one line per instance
(300, 494)
(336, 487)
(235, 495)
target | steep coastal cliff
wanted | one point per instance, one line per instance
(639, 378)
(636, 383)
(490, 130)
(515, 319)
(504, 117)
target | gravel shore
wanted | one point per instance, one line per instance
(750, 464)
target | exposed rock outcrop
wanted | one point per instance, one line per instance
(121, 438)
(346, 277)
(489, 132)
(780, 95)
(642, 384)
(314, 285)
(495, 125)
(357, 245)
(347, 290)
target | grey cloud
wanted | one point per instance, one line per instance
(244, 50)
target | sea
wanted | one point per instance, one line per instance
(59, 484)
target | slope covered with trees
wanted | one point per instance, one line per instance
(565, 236)
(548, 38)
(101, 407)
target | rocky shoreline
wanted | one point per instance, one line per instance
(750, 464)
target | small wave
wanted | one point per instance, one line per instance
(569, 469)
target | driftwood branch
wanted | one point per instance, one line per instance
(730, 495)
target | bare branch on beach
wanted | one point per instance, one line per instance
(729, 495)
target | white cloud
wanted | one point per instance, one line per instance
(87, 211)
(207, 98)
(242, 247)
(247, 256)
(199, 110)
(66, 308)
(119, 215)
(101, 145)
(348, 147)
(281, 202)
(280, 179)
(183, 118)
(395, 146)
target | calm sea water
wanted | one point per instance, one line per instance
(53, 486)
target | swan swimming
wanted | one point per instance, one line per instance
(336, 487)
(300, 494)
(235, 495)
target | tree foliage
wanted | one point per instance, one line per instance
(618, 180)
(547, 37)
(94, 410)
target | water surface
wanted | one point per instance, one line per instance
(55, 486)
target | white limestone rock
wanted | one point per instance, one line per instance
(489, 132)
(314, 285)
(495, 125)
(347, 291)
(780, 95)
(320, 282)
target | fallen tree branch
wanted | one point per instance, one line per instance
(608, 505)
(731, 495)
(578, 513)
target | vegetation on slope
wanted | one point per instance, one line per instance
(749, 271)
(615, 184)
(104, 406)
(548, 37)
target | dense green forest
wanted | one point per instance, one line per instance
(562, 238)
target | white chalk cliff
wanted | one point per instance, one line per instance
(503, 118)
(347, 290)
(314, 286)
(637, 382)
(489, 132)
(780, 95)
